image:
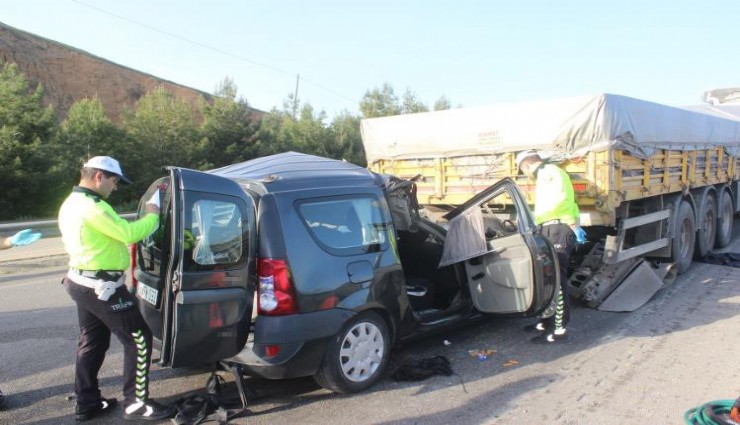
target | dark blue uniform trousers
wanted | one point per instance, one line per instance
(98, 319)
(563, 239)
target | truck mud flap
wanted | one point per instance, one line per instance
(637, 287)
(622, 286)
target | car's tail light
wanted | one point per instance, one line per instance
(133, 265)
(276, 296)
(271, 351)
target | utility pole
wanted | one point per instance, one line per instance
(295, 95)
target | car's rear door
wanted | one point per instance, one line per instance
(195, 275)
(511, 268)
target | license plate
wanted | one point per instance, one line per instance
(147, 293)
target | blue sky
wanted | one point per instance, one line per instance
(473, 52)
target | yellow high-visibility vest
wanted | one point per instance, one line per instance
(554, 197)
(95, 236)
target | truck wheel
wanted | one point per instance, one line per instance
(356, 356)
(705, 237)
(725, 219)
(682, 244)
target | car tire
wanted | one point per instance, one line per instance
(356, 356)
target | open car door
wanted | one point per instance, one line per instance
(511, 268)
(195, 274)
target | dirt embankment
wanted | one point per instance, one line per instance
(68, 74)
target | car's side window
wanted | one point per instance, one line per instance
(214, 233)
(345, 223)
(500, 216)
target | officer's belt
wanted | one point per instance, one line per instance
(104, 288)
(558, 221)
(109, 275)
(547, 223)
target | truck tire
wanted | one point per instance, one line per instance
(356, 356)
(725, 219)
(706, 235)
(682, 244)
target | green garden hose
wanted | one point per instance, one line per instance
(718, 412)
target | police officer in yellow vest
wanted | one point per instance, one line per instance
(96, 239)
(556, 212)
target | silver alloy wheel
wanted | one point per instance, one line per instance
(361, 352)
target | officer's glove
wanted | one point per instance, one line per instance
(25, 237)
(580, 235)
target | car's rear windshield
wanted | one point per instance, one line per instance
(215, 232)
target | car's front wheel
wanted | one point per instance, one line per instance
(356, 356)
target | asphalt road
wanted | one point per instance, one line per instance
(649, 366)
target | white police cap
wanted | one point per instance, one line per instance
(521, 156)
(108, 164)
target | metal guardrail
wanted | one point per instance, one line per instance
(46, 227)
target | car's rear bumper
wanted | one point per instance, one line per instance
(300, 340)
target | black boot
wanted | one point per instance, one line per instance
(103, 406)
(551, 338)
(148, 410)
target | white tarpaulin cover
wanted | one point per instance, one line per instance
(571, 126)
(724, 110)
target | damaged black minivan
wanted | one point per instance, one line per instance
(295, 265)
